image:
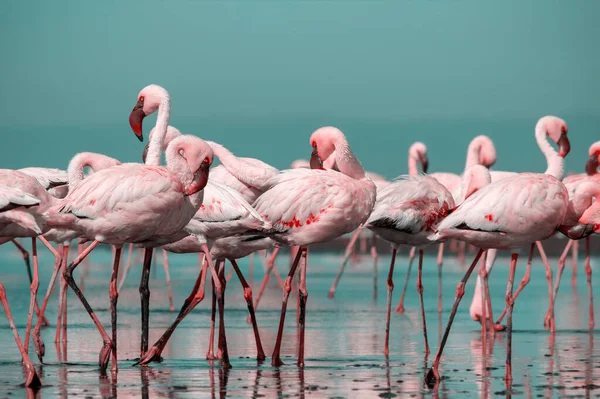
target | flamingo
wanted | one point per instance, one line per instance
(510, 214)
(134, 203)
(75, 174)
(224, 213)
(310, 206)
(417, 153)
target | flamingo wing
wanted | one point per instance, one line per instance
(47, 177)
(11, 197)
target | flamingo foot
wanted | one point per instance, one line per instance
(32, 380)
(153, 355)
(276, 362)
(40, 348)
(499, 327)
(432, 377)
(400, 309)
(105, 355)
(45, 322)
(331, 294)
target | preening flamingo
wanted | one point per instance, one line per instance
(307, 206)
(510, 214)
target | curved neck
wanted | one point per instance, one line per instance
(412, 165)
(556, 164)
(346, 161)
(77, 165)
(160, 131)
(245, 172)
(473, 154)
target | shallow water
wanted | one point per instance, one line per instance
(344, 337)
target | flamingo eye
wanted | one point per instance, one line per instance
(182, 153)
(141, 99)
(206, 160)
(313, 144)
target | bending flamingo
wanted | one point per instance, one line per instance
(510, 214)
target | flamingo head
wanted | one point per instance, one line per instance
(323, 142)
(172, 133)
(592, 163)
(487, 152)
(557, 130)
(193, 157)
(418, 151)
(149, 99)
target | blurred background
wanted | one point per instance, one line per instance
(260, 76)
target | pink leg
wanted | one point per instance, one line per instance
(248, 297)
(195, 297)
(35, 284)
(488, 298)
(168, 278)
(223, 353)
(107, 343)
(347, 254)
(31, 380)
(63, 300)
(229, 274)
(550, 289)
(374, 256)
(303, 295)
(524, 282)
(37, 339)
(420, 291)
(588, 275)
(210, 354)
(127, 267)
(433, 376)
(461, 252)
(251, 271)
(263, 285)
(114, 296)
(510, 301)
(145, 297)
(363, 245)
(390, 289)
(440, 260)
(559, 273)
(25, 255)
(411, 257)
(276, 358)
(575, 256)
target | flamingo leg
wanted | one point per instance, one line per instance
(145, 297)
(433, 374)
(127, 267)
(248, 297)
(251, 270)
(37, 339)
(559, 273)
(276, 358)
(31, 380)
(461, 253)
(374, 256)
(35, 284)
(195, 297)
(440, 261)
(106, 341)
(411, 257)
(574, 258)
(114, 297)
(484, 317)
(168, 278)
(303, 295)
(229, 273)
(588, 276)
(263, 285)
(524, 282)
(25, 256)
(420, 291)
(510, 302)
(63, 302)
(390, 289)
(488, 298)
(210, 355)
(347, 255)
(550, 289)
(223, 352)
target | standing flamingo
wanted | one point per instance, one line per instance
(134, 203)
(510, 214)
(310, 206)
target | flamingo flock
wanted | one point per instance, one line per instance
(245, 206)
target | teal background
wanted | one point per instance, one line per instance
(260, 76)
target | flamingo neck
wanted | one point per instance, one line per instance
(155, 145)
(412, 165)
(77, 165)
(245, 172)
(556, 164)
(473, 154)
(346, 161)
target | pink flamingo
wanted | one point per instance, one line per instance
(311, 206)
(510, 214)
(404, 214)
(224, 213)
(75, 174)
(416, 153)
(135, 203)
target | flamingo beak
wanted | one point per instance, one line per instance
(424, 163)
(563, 145)
(578, 231)
(199, 181)
(136, 117)
(145, 152)
(592, 164)
(315, 160)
